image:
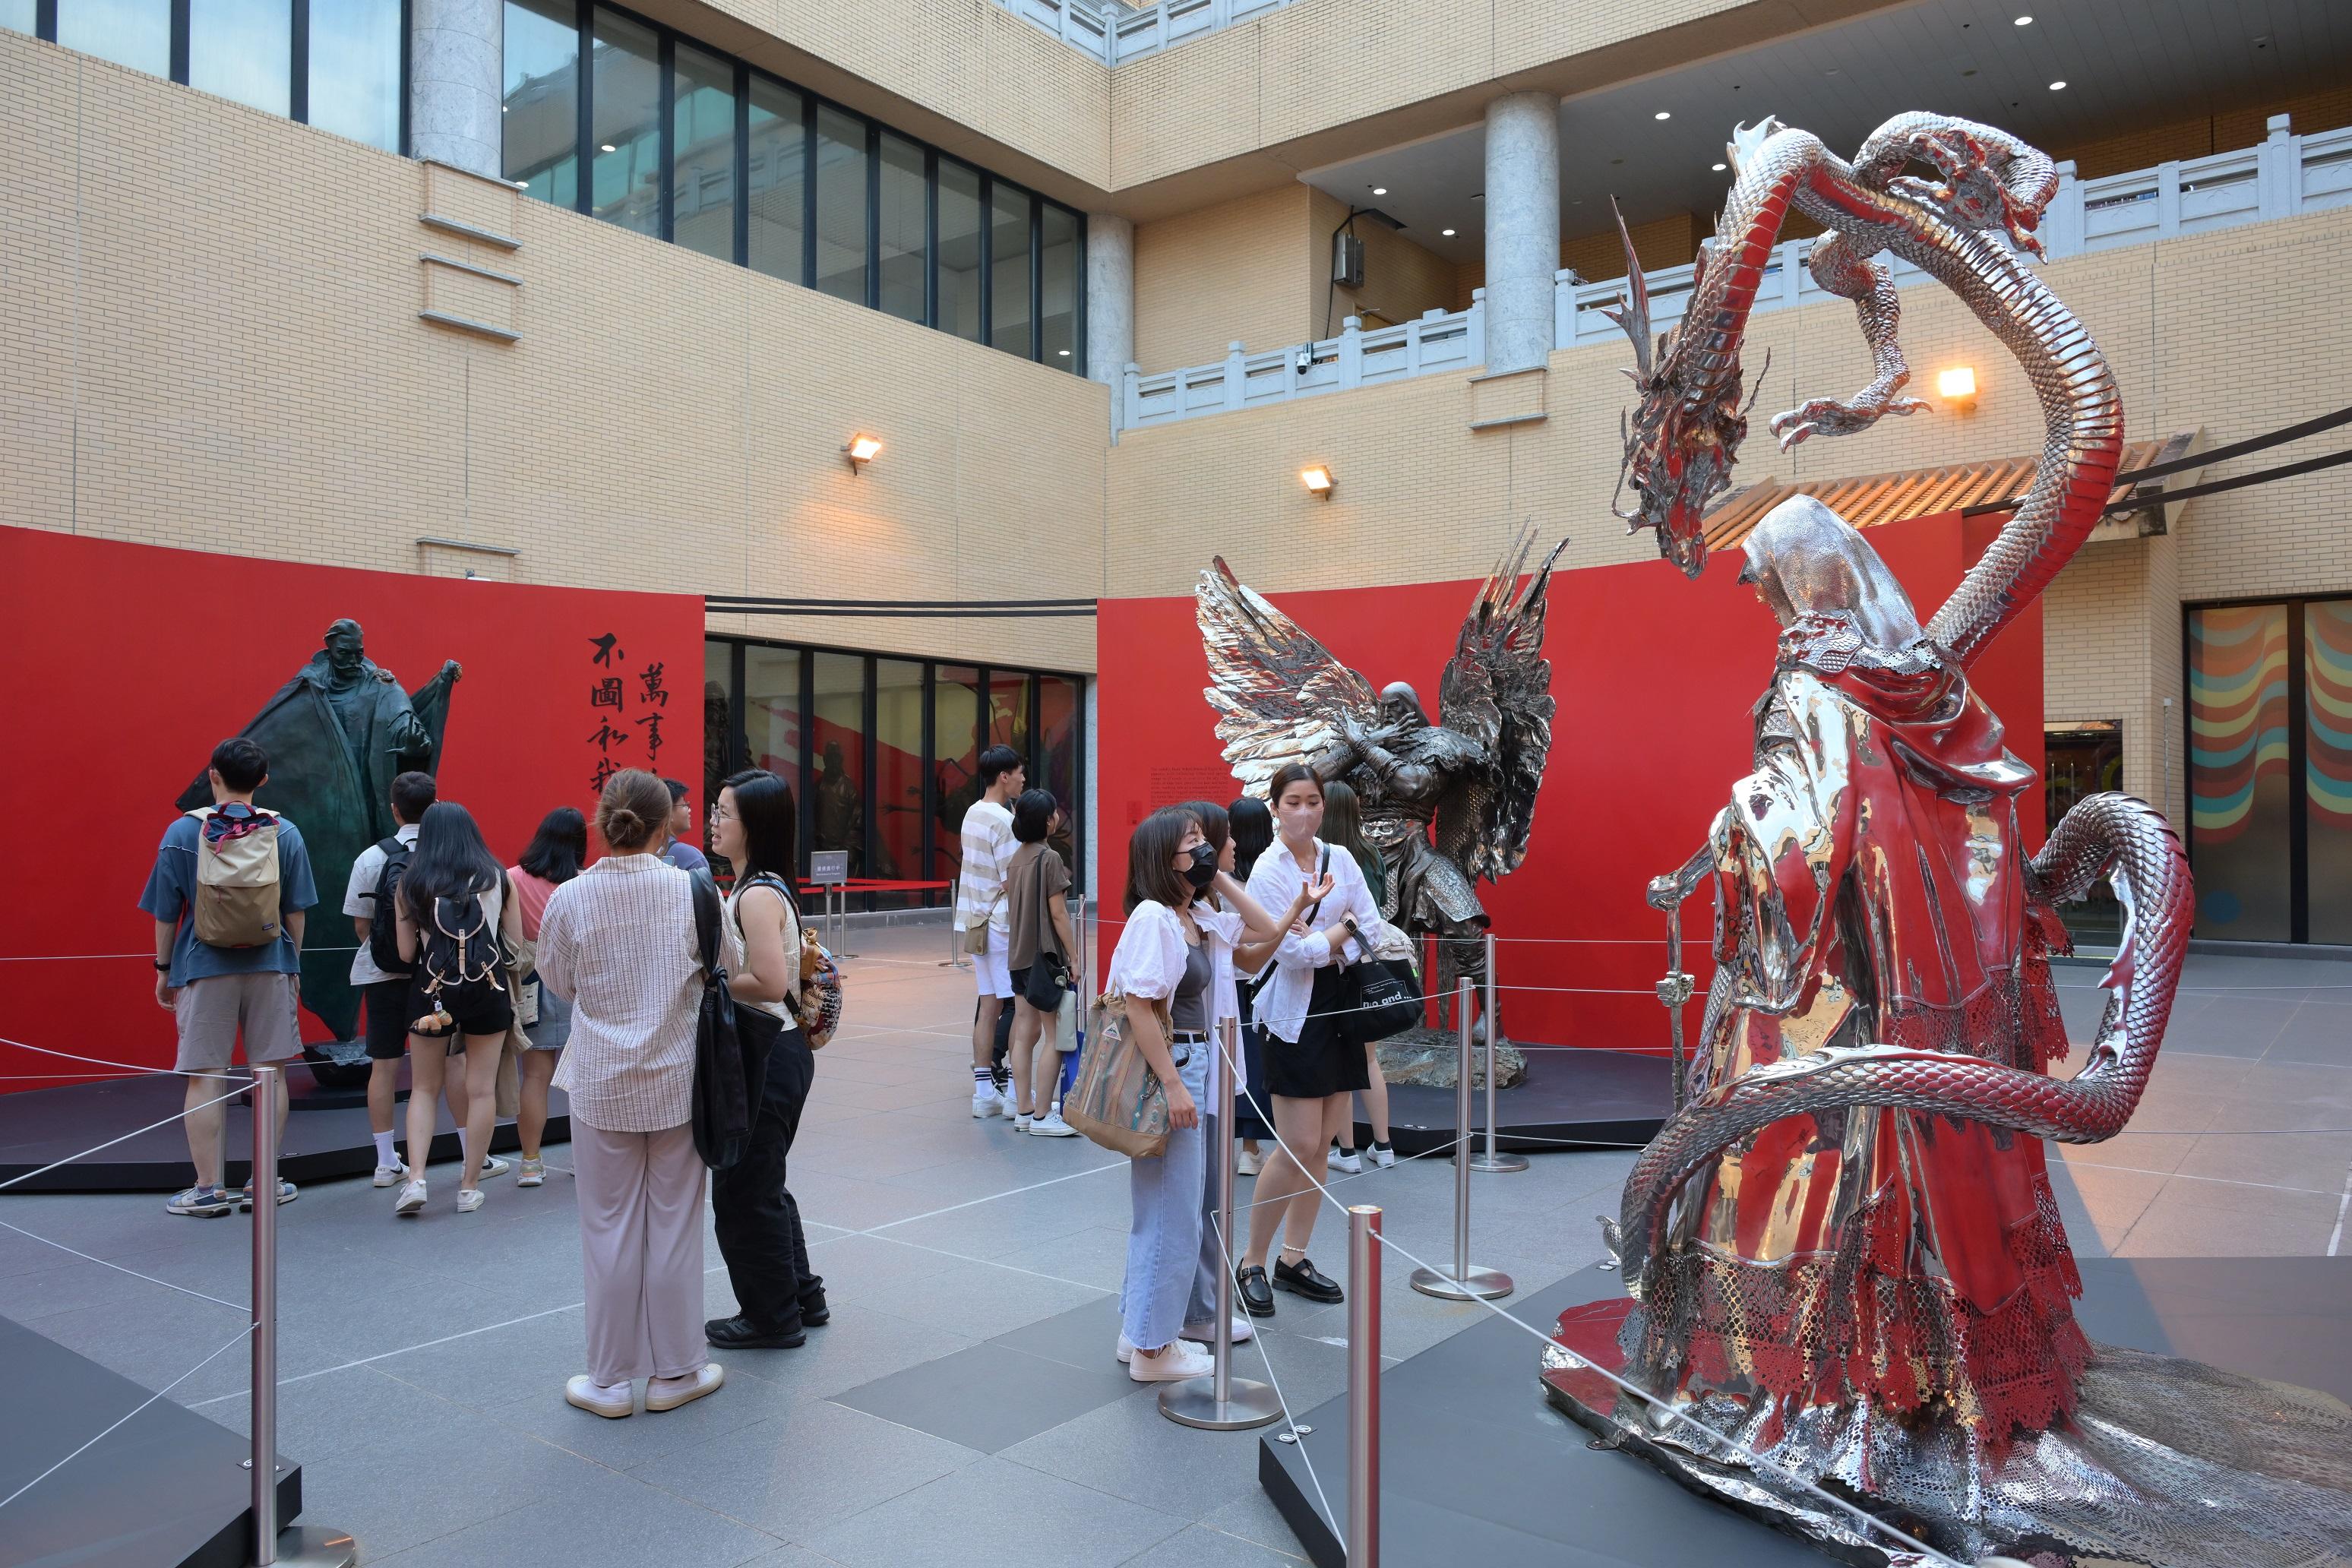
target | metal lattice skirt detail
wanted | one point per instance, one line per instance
(2165, 1462)
(1865, 1324)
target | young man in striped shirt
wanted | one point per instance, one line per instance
(988, 847)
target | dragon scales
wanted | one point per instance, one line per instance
(1846, 1262)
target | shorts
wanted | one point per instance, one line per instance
(554, 1024)
(478, 1006)
(212, 1012)
(388, 1017)
(987, 970)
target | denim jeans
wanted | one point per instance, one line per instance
(1164, 1244)
(1200, 1307)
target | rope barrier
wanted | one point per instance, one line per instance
(125, 1067)
(150, 957)
(102, 1263)
(166, 1121)
(61, 1464)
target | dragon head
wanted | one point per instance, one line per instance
(1682, 433)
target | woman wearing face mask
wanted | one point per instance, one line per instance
(1311, 1065)
(1173, 949)
(1343, 828)
(1252, 827)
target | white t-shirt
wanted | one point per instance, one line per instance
(359, 902)
(1149, 961)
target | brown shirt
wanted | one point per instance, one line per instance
(1032, 920)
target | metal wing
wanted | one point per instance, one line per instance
(1278, 692)
(1497, 691)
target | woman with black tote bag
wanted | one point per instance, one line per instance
(778, 1298)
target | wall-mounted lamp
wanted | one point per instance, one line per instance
(1957, 387)
(1316, 478)
(860, 451)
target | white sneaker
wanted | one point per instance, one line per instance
(669, 1393)
(1339, 1159)
(1005, 1105)
(1178, 1361)
(1126, 1349)
(1052, 1127)
(412, 1198)
(983, 1103)
(610, 1402)
(1021, 1119)
(1384, 1156)
(494, 1166)
(1247, 1164)
(390, 1175)
(468, 1199)
(1206, 1334)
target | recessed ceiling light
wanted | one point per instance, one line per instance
(1063, 353)
(1664, 114)
(2025, 21)
(2057, 87)
(1719, 167)
(1380, 190)
(610, 148)
(1447, 233)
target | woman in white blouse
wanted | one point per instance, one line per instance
(618, 940)
(1312, 1065)
(1173, 950)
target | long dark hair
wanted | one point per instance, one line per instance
(1252, 824)
(770, 822)
(451, 861)
(559, 847)
(1343, 824)
(1151, 874)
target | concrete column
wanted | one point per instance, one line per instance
(1111, 296)
(455, 80)
(1522, 228)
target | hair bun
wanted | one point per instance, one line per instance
(627, 823)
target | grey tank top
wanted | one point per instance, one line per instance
(1189, 1008)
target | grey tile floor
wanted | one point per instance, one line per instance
(963, 1407)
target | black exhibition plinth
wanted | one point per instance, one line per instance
(1476, 1467)
(1570, 1099)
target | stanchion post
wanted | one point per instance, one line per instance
(307, 1546)
(1492, 1159)
(1364, 1382)
(1229, 1403)
(1462, 1282)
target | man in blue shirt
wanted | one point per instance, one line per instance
(216, 992)
(680, 851)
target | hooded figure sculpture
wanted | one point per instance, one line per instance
(337, 734)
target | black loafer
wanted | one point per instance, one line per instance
(814, 1313)
(742, 1334)
(1302, 1279)
(1254, 1294)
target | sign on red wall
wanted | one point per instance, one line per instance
(131, 662)
(1654, 675)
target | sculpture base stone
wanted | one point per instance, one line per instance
(1429, 1058)
(1476, 1468)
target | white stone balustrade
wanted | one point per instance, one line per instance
(2285, 176)
(1115, 35)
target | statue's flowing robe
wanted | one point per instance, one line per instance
(1872, 888)
(338, 791)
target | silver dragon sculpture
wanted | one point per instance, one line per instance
(2215, 1467)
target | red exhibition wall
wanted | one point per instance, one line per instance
(1654, 675)
(131, 662)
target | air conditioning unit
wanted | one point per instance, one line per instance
(1348, 260)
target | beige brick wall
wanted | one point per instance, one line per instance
(1235, 271)
(1402, 278)
(210, 339)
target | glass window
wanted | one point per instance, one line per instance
(134, 33)
(1008, 712)
(2238, 771)
(354, 69)
(904, 225)
(625, 178)
(838, 816)
(1058, 267)
(772, 713)
(18, 16)
(702, 203)
(955, 760)
(898, 769)
(960, 240)
(841, 204)
(2078, 759)
(540, 117)
(1060, 715)
(243, 49)
(1008, 286)
(2327, 769)
(778, 180)
(722, 743)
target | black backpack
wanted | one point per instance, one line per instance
(383, 929)
(461, 948)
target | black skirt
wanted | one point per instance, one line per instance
(1323, 1059)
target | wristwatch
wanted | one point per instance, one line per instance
(163, 966)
